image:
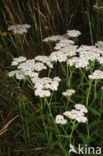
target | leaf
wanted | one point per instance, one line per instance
(95, 124)
(94, 112)
(85, 139)
(54, 144)
(92, 22)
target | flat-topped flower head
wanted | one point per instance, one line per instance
(73, 33)
(44, 59)
(54, 38)
(97, 74)
(81, 108)
(63, 43)
(82, 119)
(31, 65)
(42, 93)
(44, 85)
(18, 73)
(62, 54)
(77, 114)
(68, 92)
(99, 44)
(19, 28)
(60, 120)
(18, 60)
(89, 52)
(78, 62)
(26, 26)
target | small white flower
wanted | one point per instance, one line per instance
(81, 108)
(31, 65)
(31, 74)
(63, 43)
(60, 120)
(82, 119)
(73, 33)
(44, 85)
(97, 74)
(67, 114)
(78, 62)
(56, 79)
(25, 26)
(18, 73)
(19, 28)
(12, 73)
(54, 38)
(19, 31)
(44, 59)
(78, 114)
(42, 93)
(89, 52)
(39, 66)
(12, 27)
(68, 92)
(18, 60)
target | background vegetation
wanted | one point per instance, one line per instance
(24, 136)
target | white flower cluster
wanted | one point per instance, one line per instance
(17, 60)
(54, 38)
(44, 85)
(19, 28)
(31, 68)
(65, 47)
(89, 52)
(18, 73)
(97, 7)
(31, 65)
(62, 54)
(66, 51)
(81, 108)
(28, 67)
(63, 43)
(78, 62)
(77, 114)
(60, 120)
(69, 34)
(44, 59)
(73, 33)
(68, 92)
(97, 74)
(99, 44)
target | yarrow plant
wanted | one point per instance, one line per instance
(18, 35)
(19, 28)
(74, 117)
(71, 58)
(73, 33)
(77, 114)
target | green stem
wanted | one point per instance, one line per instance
(88, 130)
(43, 120)
(88, 94)
(94, 93)
(73, 123)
